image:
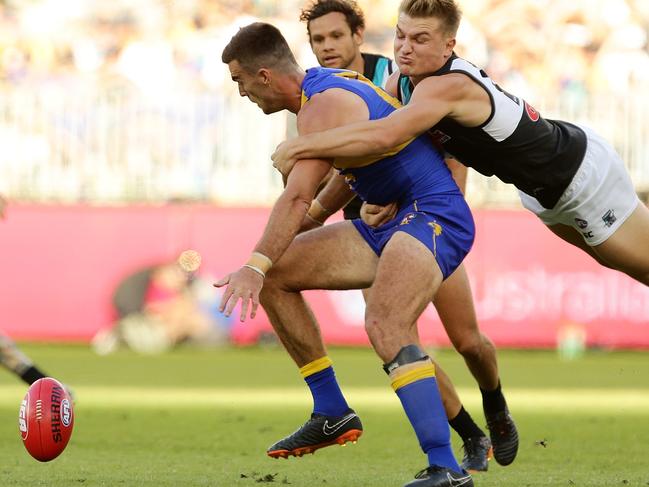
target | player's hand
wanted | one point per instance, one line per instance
(3, 207)
(284, 158)
(244, 284)
(377, 215)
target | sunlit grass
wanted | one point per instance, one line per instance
(205, 418)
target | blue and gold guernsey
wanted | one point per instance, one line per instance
(377, 69)
(431, 206)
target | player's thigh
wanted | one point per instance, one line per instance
(573, 237)
(407, 278)
(331, 257)
(627, 248)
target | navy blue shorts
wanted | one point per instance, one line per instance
(443, 223)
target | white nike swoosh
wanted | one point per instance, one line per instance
(457, 482)
(330, 430)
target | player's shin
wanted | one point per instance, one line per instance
(413, 378)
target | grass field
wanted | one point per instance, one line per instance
(205, 418)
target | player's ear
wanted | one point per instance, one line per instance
(450, 45)
(358, 36)
(264, 76)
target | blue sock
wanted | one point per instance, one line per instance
(423, 406)
(328, 399)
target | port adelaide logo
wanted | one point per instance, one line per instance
(609, 218)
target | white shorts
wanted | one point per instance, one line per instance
(599, 198)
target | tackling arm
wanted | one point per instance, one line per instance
(433, 99)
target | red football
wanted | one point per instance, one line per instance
(46, 419)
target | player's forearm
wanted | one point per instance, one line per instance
(335, 195)
(355, 140)
(283, 225)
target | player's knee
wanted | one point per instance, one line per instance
(372, 326)
(274, 285)
(376, 325)
(471, 345)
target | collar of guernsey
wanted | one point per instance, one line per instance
(379, 103)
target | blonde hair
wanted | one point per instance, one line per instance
(447, 11)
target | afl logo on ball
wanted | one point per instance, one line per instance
(66, 413)
(532, 113)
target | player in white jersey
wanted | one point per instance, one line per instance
(335, 29)
(567, 175)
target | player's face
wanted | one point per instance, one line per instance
(332, 41)
(253, 86)
(421, 46)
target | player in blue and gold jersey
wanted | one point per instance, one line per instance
(405, 262)
(335, 29)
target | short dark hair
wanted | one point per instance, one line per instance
(447, 11)
(258, 45)
(349, 8)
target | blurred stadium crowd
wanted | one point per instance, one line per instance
(120, 101)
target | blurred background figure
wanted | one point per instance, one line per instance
(17, 362)
(160, 307)
(11, 357)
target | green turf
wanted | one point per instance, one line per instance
(204, 418)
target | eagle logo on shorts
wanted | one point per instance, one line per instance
(437, 228)
(407, 219)
(609, 218)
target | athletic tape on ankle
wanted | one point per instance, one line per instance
(316, 366)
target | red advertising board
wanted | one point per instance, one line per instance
(60, 266)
